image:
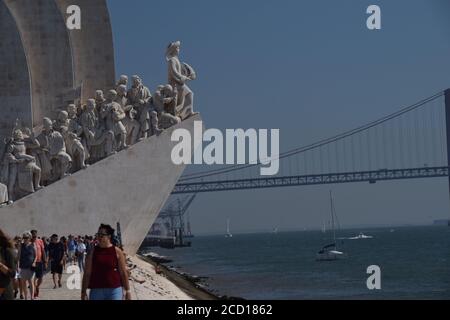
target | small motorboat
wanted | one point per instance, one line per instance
(361, 236)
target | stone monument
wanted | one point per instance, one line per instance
(179, 75)
(75, 159)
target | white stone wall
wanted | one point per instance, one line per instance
(15, 98)
(92, 46)
(42, 62)
(47, 48)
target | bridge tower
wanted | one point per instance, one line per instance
(447, 125)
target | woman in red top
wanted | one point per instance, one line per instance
(105, 275)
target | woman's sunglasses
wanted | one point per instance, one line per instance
(102, 235)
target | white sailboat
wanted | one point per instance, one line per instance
(330, 252)
(228, 235)
(324, 228)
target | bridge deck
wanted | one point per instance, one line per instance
(330, 178)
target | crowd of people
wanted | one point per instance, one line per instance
(26, 260)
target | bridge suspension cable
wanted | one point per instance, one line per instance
(349, 134)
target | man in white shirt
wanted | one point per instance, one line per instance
(81, 253)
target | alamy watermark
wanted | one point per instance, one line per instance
(374, 20)
(73, 21)
(374, 280)
(236, 146)
(73, 281)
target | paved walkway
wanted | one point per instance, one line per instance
(64, 293)
(145, 284)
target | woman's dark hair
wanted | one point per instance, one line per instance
(109, 230)
(5, 241)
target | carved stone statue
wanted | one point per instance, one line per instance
(20, 169)
(72, 112)
(139, 97)
(123, 81)
(179, 75)
(71, 132)
(164, 103)
(3, 195)
(113, 114)
(61, 124)
(95, 134)
(132, 126)
(75, 127)
(99, 102)
(54, 153)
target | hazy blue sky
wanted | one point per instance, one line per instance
(310, 68)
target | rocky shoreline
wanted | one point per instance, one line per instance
(192, 285)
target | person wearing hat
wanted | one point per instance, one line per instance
(27, 264)
(123, 81)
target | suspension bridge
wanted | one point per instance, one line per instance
(412, 143)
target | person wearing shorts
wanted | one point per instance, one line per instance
(27, 263)
(40, 261)
(56, 257)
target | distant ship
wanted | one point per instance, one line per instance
(442, 223)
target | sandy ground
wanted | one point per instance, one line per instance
(145, 285)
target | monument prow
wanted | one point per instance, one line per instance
(129, 187)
